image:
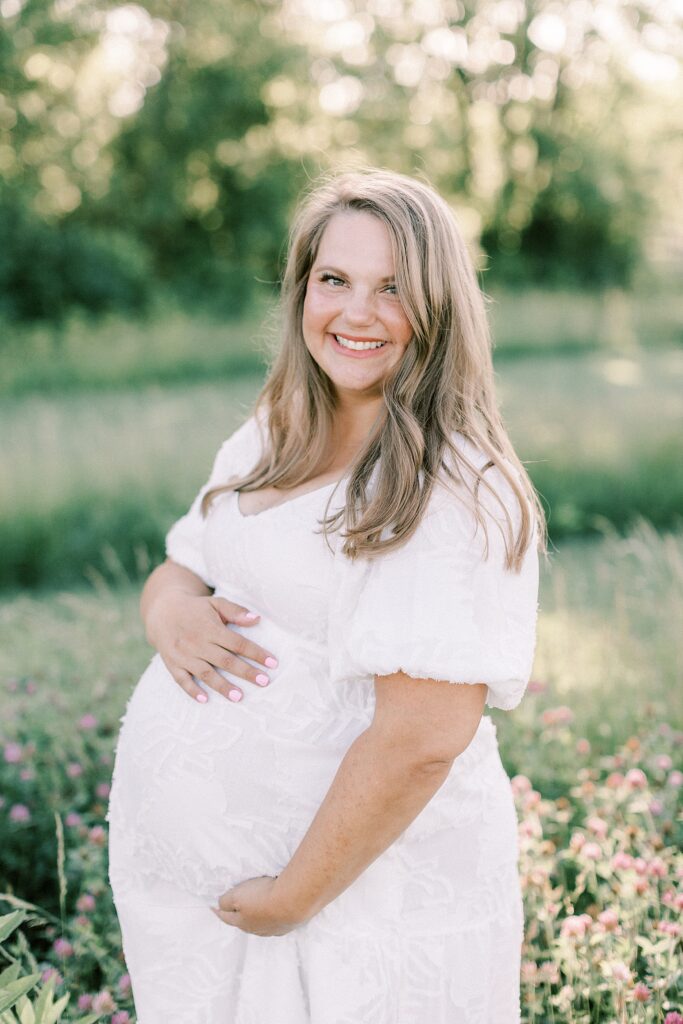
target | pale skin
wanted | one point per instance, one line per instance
(394, 768)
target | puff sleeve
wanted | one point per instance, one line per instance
(436, 608)
(185, 539)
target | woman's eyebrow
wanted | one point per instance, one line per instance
(342, 273)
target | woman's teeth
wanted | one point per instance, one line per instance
(358, 346)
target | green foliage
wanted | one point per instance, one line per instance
(15, 1005)
(46, 270)
(175, 168)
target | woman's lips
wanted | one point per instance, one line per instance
(353, 353)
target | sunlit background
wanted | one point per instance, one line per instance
(150, 157)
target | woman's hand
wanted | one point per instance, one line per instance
(191, 633)
(251, 907)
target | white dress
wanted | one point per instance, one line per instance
(205, 796)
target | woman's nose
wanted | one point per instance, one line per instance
(359, 307)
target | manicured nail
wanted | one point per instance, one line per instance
(271, 662)
(202, 698)
(262, 679)
(251, 616)
(235, 695)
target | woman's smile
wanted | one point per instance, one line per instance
(357, 348)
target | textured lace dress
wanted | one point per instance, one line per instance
(205, 796)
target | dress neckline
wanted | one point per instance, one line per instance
(282, 504)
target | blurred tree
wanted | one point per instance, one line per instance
(204, 187)
(189, 128)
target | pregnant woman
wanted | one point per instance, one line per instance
(309, 821)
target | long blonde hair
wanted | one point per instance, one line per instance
(443, 383)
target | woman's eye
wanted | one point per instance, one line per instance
(331, 277)
(391, 288)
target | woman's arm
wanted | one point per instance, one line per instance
(189, 627)
(388, 775)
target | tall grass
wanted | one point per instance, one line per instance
(90, 482)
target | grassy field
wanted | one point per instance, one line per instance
(173, 347)
(595, 751)
(90, 481)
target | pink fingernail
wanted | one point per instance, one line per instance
(235, 695)
(262, 679)
(202, 698)
(271, 662)
(251, 616)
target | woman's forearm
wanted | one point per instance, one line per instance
(377, 792)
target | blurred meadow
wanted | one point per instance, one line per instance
(150, 156)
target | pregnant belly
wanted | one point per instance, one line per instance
(204, 796)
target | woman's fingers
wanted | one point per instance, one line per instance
(236, 666)
(235, 643)
(230, 611)
(187, 683)
(214, 680)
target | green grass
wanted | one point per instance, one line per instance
(91, 481)
(174, 347)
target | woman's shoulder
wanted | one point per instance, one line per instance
(241, 448)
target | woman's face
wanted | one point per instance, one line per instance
(353, 323)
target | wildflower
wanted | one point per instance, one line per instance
(583, 746)
(123, 984)
(31, 687)
(618, 970)
(86, 902)
(641, 993)
(597, 825)
(557, 716)
(27, 774)
(663, 762)
(13, 753)
(531, 828)
(51, 974)
(81, 921)
(531, 799)
(640, 866)
(636, 778)
(549, 971)
(103, 1002)
(673, 1018)
(592, 851)
(655, 807)
(622, 861)
(122, 1017)
(87, 721)
(669, 928)
(536, 686)
(19, 812)
(97, 836)
(74, 769)
(102, 790)
(675, 779)
(529, 971)
(73, 819)
(609, 920)
(641, 886)
(520, 784)
(577, 841)
(614, 780)
(63, 948)
(657, 868)
(85, 1002)
(576, 926)
(538, 876)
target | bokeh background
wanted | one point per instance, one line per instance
(150, 157)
